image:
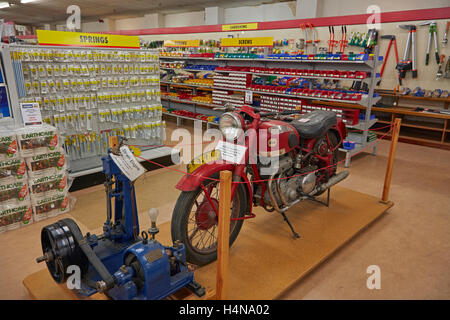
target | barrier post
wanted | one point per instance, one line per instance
(390, 165)
(224, 235)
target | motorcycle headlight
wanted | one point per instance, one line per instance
(231, 126)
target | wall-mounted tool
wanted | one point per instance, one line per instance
(305, 33)
(445, 40)
(314, 41)
(372, 39)
(331, 42)
(394, 41)
(432, 32)
(439, 72)
(447, 69)
(409, 58)
(119, 262)
(343, 42)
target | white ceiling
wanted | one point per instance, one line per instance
(48, 11)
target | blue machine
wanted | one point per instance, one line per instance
(119, 263)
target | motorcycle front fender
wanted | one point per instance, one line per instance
(191, 182)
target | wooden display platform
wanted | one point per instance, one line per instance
(41, 286)
(265, 259)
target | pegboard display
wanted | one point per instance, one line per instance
(90, 94)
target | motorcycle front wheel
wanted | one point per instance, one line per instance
(195, 223)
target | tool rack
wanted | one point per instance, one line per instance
(89, 162)
(367, 101)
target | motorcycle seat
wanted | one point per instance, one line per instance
(314, 124)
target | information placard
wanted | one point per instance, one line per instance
(128, 164)
(231, 152)
(31, 113)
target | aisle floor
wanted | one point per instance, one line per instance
(410, 244)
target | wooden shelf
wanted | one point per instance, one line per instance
(417, 137)
(409, 97)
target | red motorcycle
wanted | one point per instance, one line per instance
(281, 164)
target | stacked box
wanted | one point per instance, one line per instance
(220, 97)
(233, 81)
(15, 205)
(33, 176)
(47, 170)
(274, 103)
(8, 145)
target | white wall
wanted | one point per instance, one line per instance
(330, 8)
(97, 26)
(196, 18)
(265, 12)
(133, 23)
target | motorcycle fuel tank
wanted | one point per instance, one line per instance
(276, 138)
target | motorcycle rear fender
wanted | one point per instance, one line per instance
(191, 182)
(339, 130)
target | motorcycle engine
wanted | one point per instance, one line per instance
(293, 183)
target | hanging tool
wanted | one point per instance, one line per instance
(432, 32)
(394, 41)
(343, 42)
(409, 58)
(372, 38)
(441, 61)
(447, 69)
(331, 43)
(445, 40)
(305, 32)
(314, 41)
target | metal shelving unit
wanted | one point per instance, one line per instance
(367, 100)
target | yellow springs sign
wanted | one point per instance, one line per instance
(81, 39)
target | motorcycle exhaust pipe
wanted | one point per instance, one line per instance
(271, 195)
(333, 180)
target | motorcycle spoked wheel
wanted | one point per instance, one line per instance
(195, 223)
(334, 142)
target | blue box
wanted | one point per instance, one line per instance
(349, 145)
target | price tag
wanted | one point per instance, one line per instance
(248, 97)
(128, 164)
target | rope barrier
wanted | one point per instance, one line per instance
(207, 142)
(374, 129)
(282, 178)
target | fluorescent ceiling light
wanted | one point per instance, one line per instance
(27, 1)
(4, 5)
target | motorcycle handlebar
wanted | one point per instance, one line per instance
(283, 113)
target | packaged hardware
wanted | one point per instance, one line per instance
(48, 185)
(46, 163)
(13, 193)
(12, 169)
(37, 139)
(50, 205)
(14, 216)
(8, 145)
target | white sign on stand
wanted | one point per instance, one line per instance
(128, 164)
(231, 152)
(31, 113)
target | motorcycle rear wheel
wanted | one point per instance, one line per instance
(194, 222)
